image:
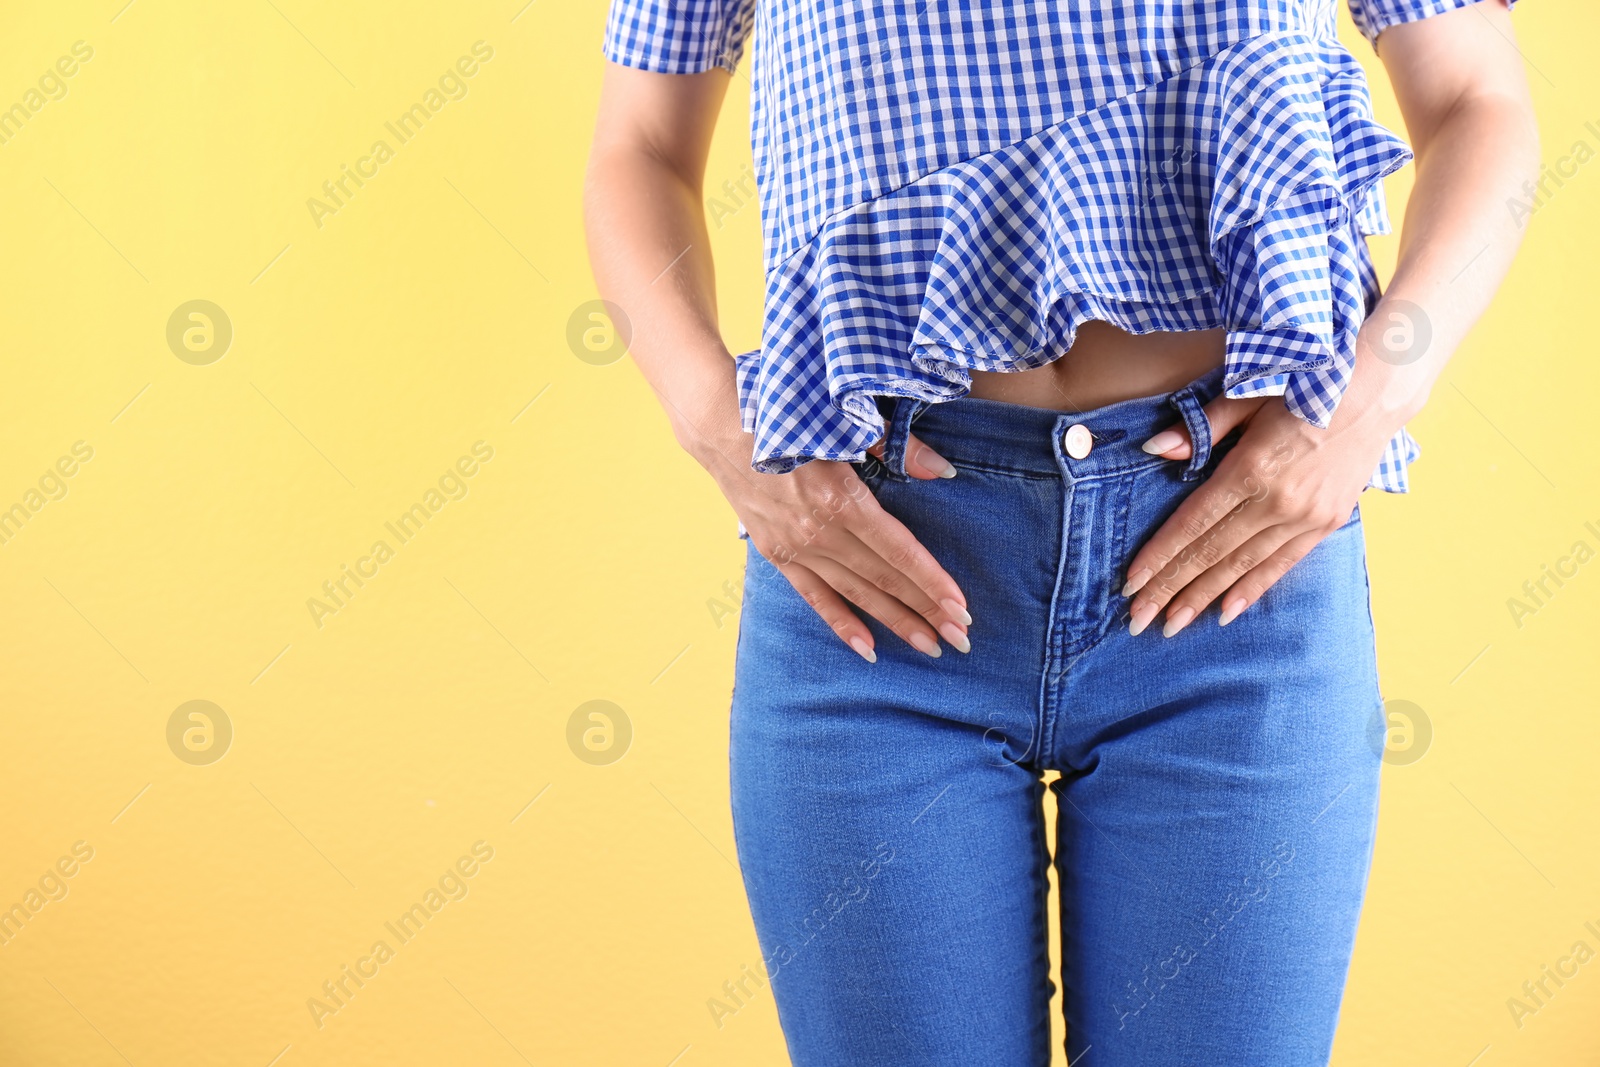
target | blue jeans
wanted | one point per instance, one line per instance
(1217, 797)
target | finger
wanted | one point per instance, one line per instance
(907, 624)
(1218, 497)
(832, 609)
(1223, 413)
(1249, 589)
(921, 460)
(900, 550)
(1207, 550)
(1190, 601)
(855, 555)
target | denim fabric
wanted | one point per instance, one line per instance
(1218, 792)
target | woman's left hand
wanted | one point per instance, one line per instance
(1280, 490)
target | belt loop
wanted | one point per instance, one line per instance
(898, 437)
(1194, 417)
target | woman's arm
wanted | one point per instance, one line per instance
(1286, 485)
(649, 248)
(1459, 81)
(651, 256)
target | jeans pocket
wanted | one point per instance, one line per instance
(870, 468)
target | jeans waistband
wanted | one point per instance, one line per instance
(1015, 437)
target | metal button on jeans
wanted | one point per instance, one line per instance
(1078, 440)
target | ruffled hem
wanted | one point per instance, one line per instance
(1233, 195)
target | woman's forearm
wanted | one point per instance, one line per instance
(651, 256)
(1457, 243)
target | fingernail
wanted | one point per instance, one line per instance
(925, 644)
(864, 649)
(1136, 581)
(935, 462)
(1177, 621)
(1231, 609)
(956, 611)
(1162, 441)
(1141, 618)
(953, 634)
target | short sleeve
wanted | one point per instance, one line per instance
(678, 36)
(1372, 17)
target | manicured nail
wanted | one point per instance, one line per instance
(1141, 618)
(1177, 621)
(935, 462)
(1162, 441)
(864, 649)
(1136, 581)
(925, 644)
(956, 611)
(1231, 609)
(953, 634)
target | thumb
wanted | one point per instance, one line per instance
(1223, 414)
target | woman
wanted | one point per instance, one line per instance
(1109, 261)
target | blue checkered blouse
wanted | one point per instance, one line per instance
(949, 186)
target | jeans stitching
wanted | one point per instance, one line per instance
(1118, 542)
(1052, 640)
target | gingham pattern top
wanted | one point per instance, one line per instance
(950, 186)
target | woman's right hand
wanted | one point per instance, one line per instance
(827, 534)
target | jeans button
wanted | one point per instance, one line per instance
(1078, 440)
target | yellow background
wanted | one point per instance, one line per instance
(370, 753)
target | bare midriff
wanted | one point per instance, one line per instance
(1106, 365)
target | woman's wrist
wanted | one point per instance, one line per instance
(697, 390)
(714, 439)
(1387, 389)
(705, 416)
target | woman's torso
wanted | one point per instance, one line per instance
(1105, 365)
